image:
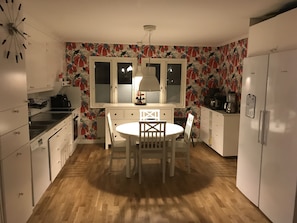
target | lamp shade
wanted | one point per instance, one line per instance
(149, 81)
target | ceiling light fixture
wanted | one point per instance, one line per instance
(149, 81)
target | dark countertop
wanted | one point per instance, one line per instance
(44, 121)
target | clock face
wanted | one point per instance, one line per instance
(12, 39)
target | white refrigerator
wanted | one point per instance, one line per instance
(267, 153)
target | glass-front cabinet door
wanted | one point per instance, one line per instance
(111, 80)
(102, 82)
(174, 83)
(171, 74)
(124, 82)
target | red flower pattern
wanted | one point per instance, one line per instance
(222, 64)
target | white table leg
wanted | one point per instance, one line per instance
(128, 157)
(172, 164)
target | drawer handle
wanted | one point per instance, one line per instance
(132, 114)
(19, 154)
(21, 194)
(17, 132)
(115, 113)
(16, 111)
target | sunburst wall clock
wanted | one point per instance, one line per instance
(14, 38)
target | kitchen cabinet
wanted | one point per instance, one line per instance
(16, 185)
(273, 34)
(44, 60)
(219, 130)
(111, 80)
(171, 74)
(15, 163)
(205, 125)
(59, 147)
(124, 114)
(13, 91)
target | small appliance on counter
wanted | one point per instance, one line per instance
(231, 103)
(218, 101)
(210, 97)
(215, 99)
(60, 101)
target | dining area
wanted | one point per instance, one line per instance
(150, 138)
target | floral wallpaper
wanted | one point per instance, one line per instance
(207, 67)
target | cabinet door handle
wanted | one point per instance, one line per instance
(16, 111)
(21, 194)
(18, 154)
(17, 132)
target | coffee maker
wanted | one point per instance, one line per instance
(231, 104)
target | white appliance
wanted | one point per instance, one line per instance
(40, 167)
(267, 153)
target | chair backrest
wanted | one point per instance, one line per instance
(149, 114)
(152, 135)
(188, 128)
(110, 128)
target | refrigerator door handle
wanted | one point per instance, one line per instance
(260, 129)
(266, 119)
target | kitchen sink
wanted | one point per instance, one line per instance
(42, 123)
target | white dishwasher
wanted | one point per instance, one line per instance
(40, 166)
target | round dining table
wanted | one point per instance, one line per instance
(130, 131)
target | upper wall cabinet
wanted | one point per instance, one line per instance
(44, 60)
(111, 80)
(275, 34)
(171, 74)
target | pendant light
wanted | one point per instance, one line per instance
(149, 80)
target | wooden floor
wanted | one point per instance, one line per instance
(85, 191)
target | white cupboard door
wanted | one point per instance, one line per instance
(16, 171)
(36, 60)
(217, 132)
(13, 86)
(204, 125)
(279, 165)
(255, 71)
(166, 114)
(13, 118)
(55, 147)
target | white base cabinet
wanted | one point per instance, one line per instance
(220, 131)
(123, 114)
(59, 147)
(16, 183)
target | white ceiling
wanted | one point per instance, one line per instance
(179, 22)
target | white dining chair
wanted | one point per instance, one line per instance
(118, 147)
(149, 114)
(182, 147)
(152, 144)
